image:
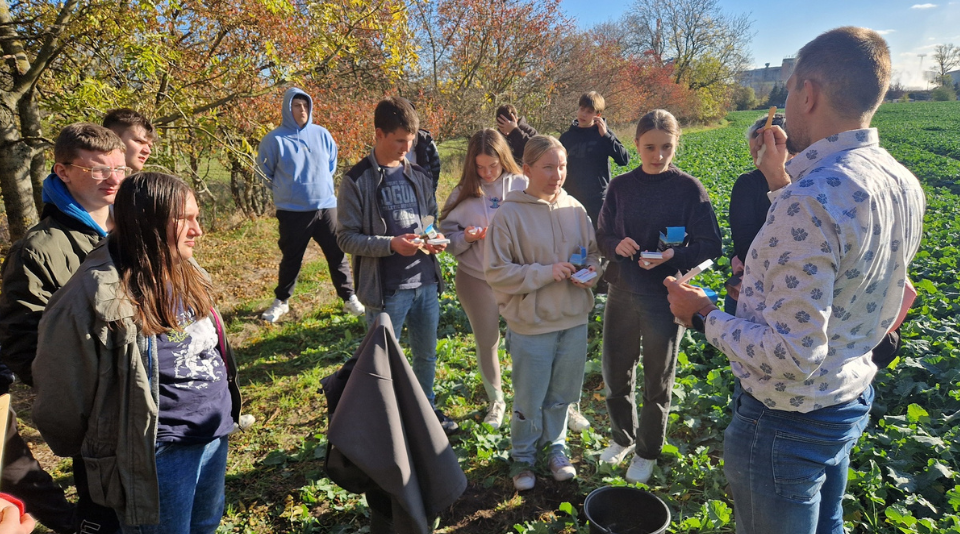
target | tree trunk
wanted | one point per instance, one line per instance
(16, 161)
(248, 192)
(30, 128)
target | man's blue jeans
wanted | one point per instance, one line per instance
(420, 309)
(788, 470)
(191, 480)
(547, 377)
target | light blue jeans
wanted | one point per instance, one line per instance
(547, 377)
(191, 480)
(788, 470)
(422, 307)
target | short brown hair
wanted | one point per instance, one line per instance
(506, 110)
(658, 119)
(853, 67)
(120, 119)
(395, 112)
(84, 136)
(592, 100)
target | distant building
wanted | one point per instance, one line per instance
(955, 76)
(764, 79)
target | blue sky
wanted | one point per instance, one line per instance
(781, 28)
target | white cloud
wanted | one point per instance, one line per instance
(884, 32)
(923, 6)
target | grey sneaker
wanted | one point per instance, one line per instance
(449, 425)
(353, 307)
(561, 468)
(275, 311)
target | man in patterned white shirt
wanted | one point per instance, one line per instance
(823, 283)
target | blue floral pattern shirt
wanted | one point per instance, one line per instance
(825, 276)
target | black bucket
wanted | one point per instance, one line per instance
(623, 510)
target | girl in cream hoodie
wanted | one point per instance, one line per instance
(489, 173)
(529, 250)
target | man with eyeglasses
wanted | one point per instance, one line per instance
(77, 197)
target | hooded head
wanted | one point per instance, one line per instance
(289, 118)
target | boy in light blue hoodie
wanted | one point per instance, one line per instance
(298, 160)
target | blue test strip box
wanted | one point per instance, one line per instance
(672, 238)
(579, 258)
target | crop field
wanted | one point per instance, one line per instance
(903, 472)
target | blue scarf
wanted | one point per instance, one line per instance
(55, 192)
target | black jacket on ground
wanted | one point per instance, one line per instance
(384, 436)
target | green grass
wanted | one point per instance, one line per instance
(903, 470)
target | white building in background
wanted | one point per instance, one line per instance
(766, 78)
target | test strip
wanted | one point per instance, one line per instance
(773, 111)
(695, 271)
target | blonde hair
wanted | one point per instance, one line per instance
(490, 143)
(539, 145)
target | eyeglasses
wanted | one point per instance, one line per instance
(102, 172)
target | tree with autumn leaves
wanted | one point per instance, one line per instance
(207, 72)
(210, 74)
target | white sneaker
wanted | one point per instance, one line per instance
(524, 481)
(576, 422)
(246, 421)
(640, 470)
(353, 306)
(561, 468)
(275, 311)
(494, 417)
(615, 453)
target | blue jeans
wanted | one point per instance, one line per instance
(547, 377)
(422, 307)
(788, 470)
(191, 480)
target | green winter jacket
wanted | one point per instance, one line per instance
(35, 268)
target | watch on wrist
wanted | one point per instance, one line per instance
(699, 322)
(699, 319)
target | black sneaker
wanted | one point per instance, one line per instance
(449, 425)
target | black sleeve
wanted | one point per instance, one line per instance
(433, 163)
(703, 233)
(617, 151)
(607, 239)
(746, 214)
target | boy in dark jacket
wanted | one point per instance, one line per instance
(515, 130)
(384, 205)
(425, 154)
(589, 146)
